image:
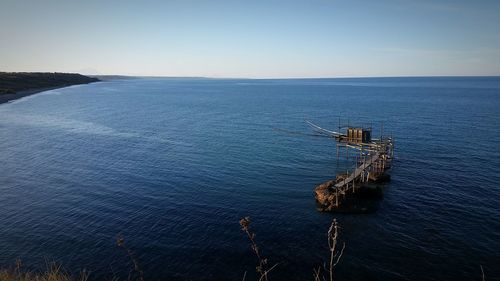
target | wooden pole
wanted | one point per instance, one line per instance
(336, 197)
(337, 149)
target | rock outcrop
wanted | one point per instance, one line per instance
(325, 196)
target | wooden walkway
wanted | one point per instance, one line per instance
(360, 170)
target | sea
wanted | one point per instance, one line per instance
(170, 165)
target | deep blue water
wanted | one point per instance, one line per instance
(173, 164)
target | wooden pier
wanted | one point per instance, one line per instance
(373, 157)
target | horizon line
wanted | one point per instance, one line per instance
(261, 78)
(297, 77)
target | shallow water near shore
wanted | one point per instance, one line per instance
(173, 164)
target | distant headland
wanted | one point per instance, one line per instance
(15, 85)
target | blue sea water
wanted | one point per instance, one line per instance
(173, 164)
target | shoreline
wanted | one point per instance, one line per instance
(5, 98)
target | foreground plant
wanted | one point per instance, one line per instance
(335, 255)
(53, 273)
(120, 242)
(263, 263)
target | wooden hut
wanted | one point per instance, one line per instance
(359, 135)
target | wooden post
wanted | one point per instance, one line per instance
(337, 150)
(336, 197)
(347, 152)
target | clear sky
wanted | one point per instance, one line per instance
(251, 38)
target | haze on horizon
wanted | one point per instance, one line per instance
(255, 39)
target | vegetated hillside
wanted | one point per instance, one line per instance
(13, 82)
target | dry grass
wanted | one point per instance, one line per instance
(318, 274)
(53, 273)
(262, 268)
(335, 254)
(120, 242)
